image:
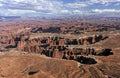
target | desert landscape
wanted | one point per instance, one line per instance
(59, 48)
(59, 38)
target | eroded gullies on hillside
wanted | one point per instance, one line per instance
(65, 48)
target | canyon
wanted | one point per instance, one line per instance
(60, 48)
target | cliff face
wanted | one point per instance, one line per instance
(20, 45)
(58, 47)
(74, 29)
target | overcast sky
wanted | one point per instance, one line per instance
(59, 7)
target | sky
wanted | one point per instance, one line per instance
(59, 7)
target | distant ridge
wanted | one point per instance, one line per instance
(10, 17)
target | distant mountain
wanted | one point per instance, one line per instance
(89, 17)
(9, 17)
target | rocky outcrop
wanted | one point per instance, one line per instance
(20, 45)
(11, 42)
(58, 47)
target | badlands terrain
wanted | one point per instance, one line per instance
(60, 48)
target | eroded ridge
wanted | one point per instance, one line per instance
(59, 46)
